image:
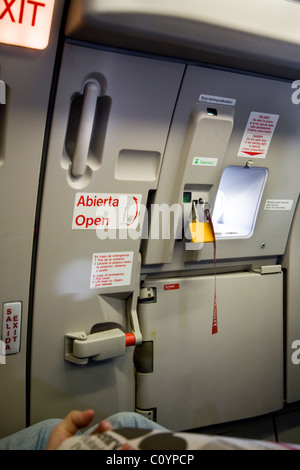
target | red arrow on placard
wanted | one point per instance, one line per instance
(252, 154)
(136, 212)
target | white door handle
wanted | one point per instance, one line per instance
(111, 341)
(106, 344)
(98, 346)
(86, 125)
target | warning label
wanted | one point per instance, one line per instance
(210, 99)
(171, 286)
(258, 135)
(279, 205)
(94, 211)
(111, 269)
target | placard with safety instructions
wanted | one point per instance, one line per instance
(111, 269)
(258, 135)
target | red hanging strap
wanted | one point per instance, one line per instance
(215, 309)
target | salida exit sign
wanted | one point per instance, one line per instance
(26, 23)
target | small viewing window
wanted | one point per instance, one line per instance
(238, 200)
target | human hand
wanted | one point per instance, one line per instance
(74, 421)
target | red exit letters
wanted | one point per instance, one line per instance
(11, 327)
(33, 5)
(26, 23)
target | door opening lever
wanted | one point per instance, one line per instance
(108, 339)
(108, 343)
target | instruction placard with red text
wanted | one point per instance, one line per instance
(99, 211)
(258, 135)
(111, 269)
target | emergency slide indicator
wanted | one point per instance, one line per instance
(111, 269)
(26, 23)
(97, 211)
(258, 135)
(198, 161)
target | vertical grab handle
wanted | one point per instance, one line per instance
(2, 93)
(91, 93)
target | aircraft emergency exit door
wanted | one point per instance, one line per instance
(125, 139)
(116, 298)
(109, 131)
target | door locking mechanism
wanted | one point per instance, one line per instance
(108, 343)
(106, 340)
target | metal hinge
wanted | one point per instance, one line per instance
(149, 414)
(147, 294)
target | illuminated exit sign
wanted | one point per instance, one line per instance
(26, 23)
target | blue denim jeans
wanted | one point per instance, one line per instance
(36, 437)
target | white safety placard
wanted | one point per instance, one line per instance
(258, 135)
(11, 327)
(217, 100)
(279, 205)
(111, 269)
(96, 211)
